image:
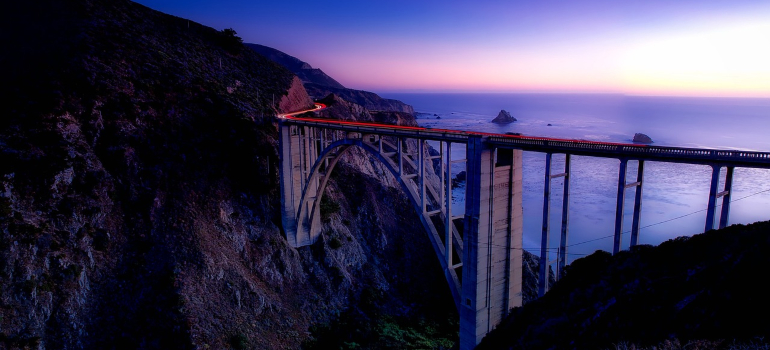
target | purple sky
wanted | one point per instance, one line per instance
(683, 47)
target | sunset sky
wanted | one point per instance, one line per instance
(653, 47)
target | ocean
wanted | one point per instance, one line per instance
(675, 196)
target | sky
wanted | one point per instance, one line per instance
(650, 47)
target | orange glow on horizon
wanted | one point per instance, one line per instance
(709, 59)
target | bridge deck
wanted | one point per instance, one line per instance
(737, 158)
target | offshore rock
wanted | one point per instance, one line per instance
(504, 117)
(642, 138)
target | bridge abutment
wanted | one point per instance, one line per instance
(298, 154)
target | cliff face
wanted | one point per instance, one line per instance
(296, 98)
(138, 197)
(319, 85)
(368, 100)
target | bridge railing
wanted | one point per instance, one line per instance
(577, 147)
(646, 152)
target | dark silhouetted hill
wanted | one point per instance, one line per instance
(699, 288)
(303, 70)
(320, 85)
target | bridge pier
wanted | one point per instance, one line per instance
(544, 273)
(493, 236)
(713, 196)
(298, 154)
(622, 186)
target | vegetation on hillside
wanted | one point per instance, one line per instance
(700, 288)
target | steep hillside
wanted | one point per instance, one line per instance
(368, 100)
(687, 289)
(302, 69)
(138, 195)
(319, 85)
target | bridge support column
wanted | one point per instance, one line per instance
(637, 204)
(619, 207)
(713, 196)
(564, 220)
(543, 280)
(291, 181)
(622, 186)
(492, 256)
(298, 152)
(561, 258)
(726, 198)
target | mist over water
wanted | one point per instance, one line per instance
(674, 197)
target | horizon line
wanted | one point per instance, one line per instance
(559, 92)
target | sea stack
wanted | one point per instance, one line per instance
(504, 118)
(642, 138)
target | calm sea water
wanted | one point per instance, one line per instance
(675, 195)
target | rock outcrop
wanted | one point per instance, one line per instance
(504, 118)
(641, 138)
(319, 85)
(296, 98)
(368, 100)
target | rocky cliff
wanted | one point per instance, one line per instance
(295, 99)
(139, 204)
(368, 100)
(138, 197)
(319, 85)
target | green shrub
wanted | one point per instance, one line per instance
(328, 207)
(239, 342)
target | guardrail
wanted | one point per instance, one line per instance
(631, 151)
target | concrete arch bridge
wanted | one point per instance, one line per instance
(480, 251)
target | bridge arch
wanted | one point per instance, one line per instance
(489, 252)
(308, 214)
